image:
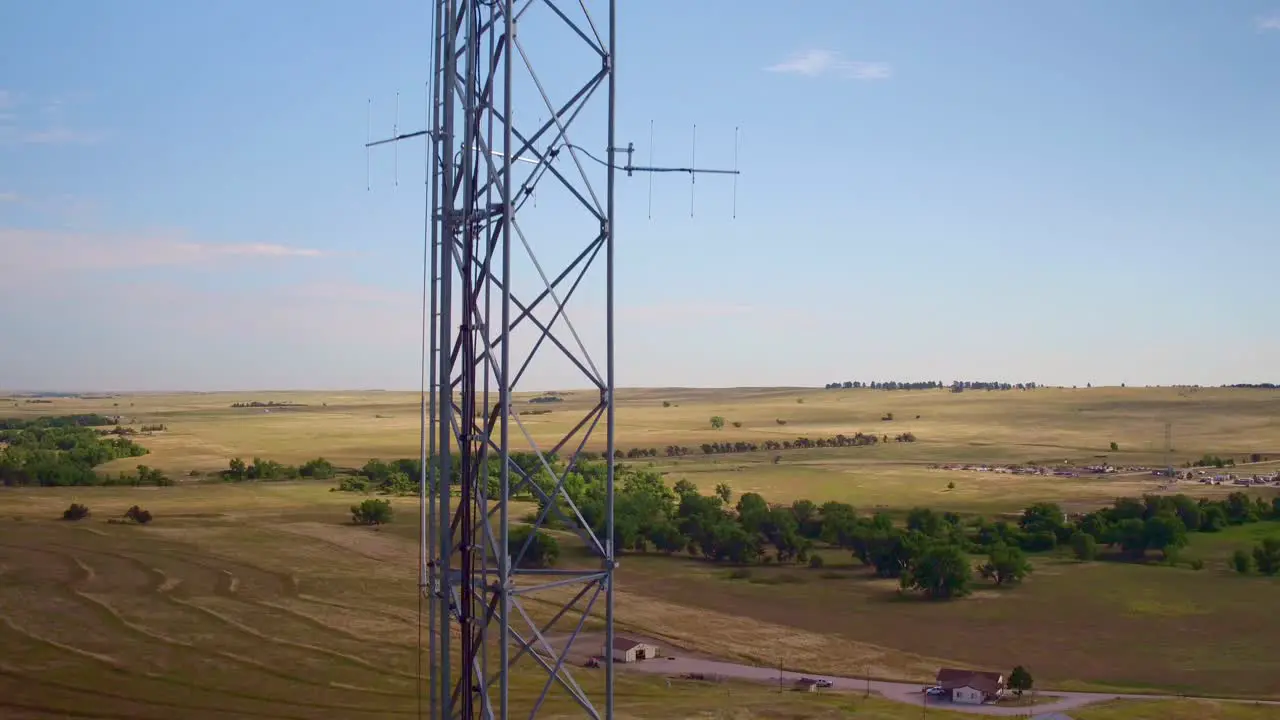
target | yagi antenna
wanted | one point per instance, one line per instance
(552, 153)
(651, 174)
(735, 173)
(368, 137)
(395, 149)
(693, 162)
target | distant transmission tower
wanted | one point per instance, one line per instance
(486, 162)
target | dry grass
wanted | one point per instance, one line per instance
(1176, 710)
(255, 599)
(248, 618)
(258, 602)
(204, 432)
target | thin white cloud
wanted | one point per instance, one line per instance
(9, 197)
(60, 136)
(674, 312)
(814, 63)
(48, 251)
(1269, 23)
(23, 123)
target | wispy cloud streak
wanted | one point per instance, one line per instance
(815, 63)
(46, 251)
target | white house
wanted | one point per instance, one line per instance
(971, 687)
(627, 650)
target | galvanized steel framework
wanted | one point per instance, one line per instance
(485, 165)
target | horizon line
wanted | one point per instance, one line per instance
(16, 393)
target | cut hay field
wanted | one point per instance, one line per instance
(257, 600)
(250, 603)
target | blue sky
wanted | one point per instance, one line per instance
(1057, 192)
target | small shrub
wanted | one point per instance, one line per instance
(1115, 447)
(666, 403)
(800, 401)
(740, 574)
(717, 422)
(138, 515)
(358, 484)
(780, 421)
(1241, 562)
(815, 561)
(373, 511)
(320, 469)
(1197, 564)
(737, 424)
(1084, 546)
(75, 511)
(951, 485)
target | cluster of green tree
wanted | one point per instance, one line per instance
(317, 469)
(535, 412)
(1265, 558)
(125, 430)
(547, 398)
(1212, 461)
(59, 452)
(268, 404)
(371, 512)
(58, 421)
(931, 554)
(143, 476)
(135, 514)
(1159, 523)
(954, 386)
(400, 477)
(801, 443)
(542, 550)
(1255, 386)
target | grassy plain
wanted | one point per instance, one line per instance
(259, 598)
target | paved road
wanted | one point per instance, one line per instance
(901, 692)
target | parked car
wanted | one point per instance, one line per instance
(823, 683)
(934, 692)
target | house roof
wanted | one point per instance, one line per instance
(988, 682)
(624, 643)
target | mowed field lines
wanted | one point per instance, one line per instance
(258, 602)
(255, 613)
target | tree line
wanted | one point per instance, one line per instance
(268, 404)
(953, 386)
(858, 439)
(63, 451)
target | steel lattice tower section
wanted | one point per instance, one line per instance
(486, 162)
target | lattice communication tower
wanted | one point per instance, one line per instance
(492, 306)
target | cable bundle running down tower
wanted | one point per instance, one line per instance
(485, 322)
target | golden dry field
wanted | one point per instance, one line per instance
(260, 600)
